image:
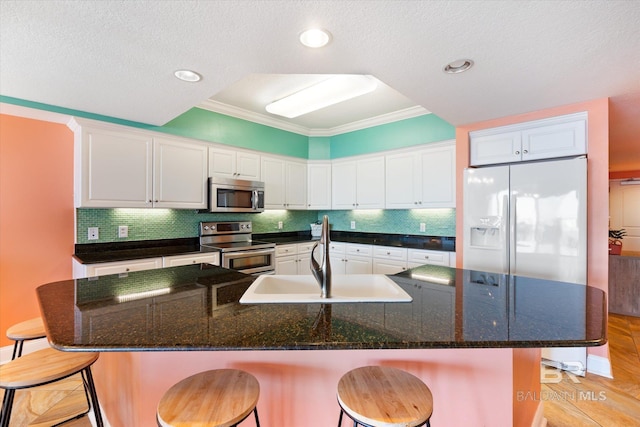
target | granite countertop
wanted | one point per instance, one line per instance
(196, 307)
(92, 253)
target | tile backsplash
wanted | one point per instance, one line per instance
(151, 224)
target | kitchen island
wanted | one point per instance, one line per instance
(473, 337)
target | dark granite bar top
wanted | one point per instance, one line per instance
(436, 243)
(196, 307)
(92, 253)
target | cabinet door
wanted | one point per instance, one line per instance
(438, 178)
(318, 186)
(559, 140)
(421, 257)
(273, 175)
(295, 185)
(248, 166)
(180, 174)
(177, 260)
(343, 185)
(358, 265)
(113, 169)
(222, 162)
(401, 179)
(388, 266)
(287, 265)
(121, 267)
(370, 183)
(492, 149)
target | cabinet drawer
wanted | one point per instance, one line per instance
(121, 267)
(177, 260)
(388, 252)
(337, 248)
(428, 257)
(359, 250)
(304, 248)
(284, 250)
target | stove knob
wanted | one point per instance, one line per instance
(206, 227)
(248, 226)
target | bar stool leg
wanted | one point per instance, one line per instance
(7, 404)
(88, 378)
(255, 412)
(17, 349)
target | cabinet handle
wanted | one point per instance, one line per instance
(388, 253)
(194, 261)
(517, 152)
(525, 151)
(126, 269)
(426, 257)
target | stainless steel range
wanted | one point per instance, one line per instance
(237, 249)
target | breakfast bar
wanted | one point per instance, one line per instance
(472, 336)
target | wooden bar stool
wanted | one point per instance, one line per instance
(217, 398)
(24, 331)
(377, 396)
(44, 367)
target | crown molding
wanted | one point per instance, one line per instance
(241, 113)
(33, 113)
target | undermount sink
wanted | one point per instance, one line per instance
(305, 289)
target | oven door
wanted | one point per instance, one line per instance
(261, 261)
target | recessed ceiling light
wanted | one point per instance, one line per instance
(188, 76)
(458, 66)
(315, 37)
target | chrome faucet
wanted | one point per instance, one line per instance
(322, 273)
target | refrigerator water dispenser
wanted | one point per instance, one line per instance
(485, 237)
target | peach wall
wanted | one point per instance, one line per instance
(471, 387)
(597, 182)
(36, 213)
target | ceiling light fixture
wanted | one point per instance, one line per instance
(315, 37)
(328, 92)
(458, 66)
(188, 76)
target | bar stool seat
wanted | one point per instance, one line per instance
(24, 331)
(378, 396)
(43, 367)
(216, 398)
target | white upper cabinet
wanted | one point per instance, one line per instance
(358, 184)
(421, 178)
(180, 174)
(318, 185)
(561, 136)
(285, 183)
(234, 164)
(121, 168)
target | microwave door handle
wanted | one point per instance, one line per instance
(254, 199)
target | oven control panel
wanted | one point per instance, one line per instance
(216, 228)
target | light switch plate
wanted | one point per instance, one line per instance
(123, 231)
(423, 227)
(93, 233)
(353, 225)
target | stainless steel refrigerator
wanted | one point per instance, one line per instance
(529, 219)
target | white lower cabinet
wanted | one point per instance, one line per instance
(350, 258)
(418, 257)
(294, 258)
(177, 260)
(123, 267)
(117, 267)
(389, 260)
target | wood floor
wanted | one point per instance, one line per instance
(598, 401)
(594, 401)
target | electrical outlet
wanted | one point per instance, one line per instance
(123, 231)
(423, 227)
(279, 225)
(93, 233)
(353, 225)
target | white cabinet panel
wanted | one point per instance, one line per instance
(178, 260)
(113, 169)
(549, 138)
(421, 178)
(421, 257)
(319, 186)
(388, 266)
(120, 168)
(285, 183)
(180, 174)
(234, 164)
(294, 258)
(117, 267)
(358, 184)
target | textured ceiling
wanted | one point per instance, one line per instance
(117, 58)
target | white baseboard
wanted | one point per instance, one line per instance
(599, 365)
(29, 347)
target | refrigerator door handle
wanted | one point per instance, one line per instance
(512, 238)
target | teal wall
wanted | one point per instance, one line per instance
(151, 224)
(400, 134)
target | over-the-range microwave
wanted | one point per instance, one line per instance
(235, 195)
